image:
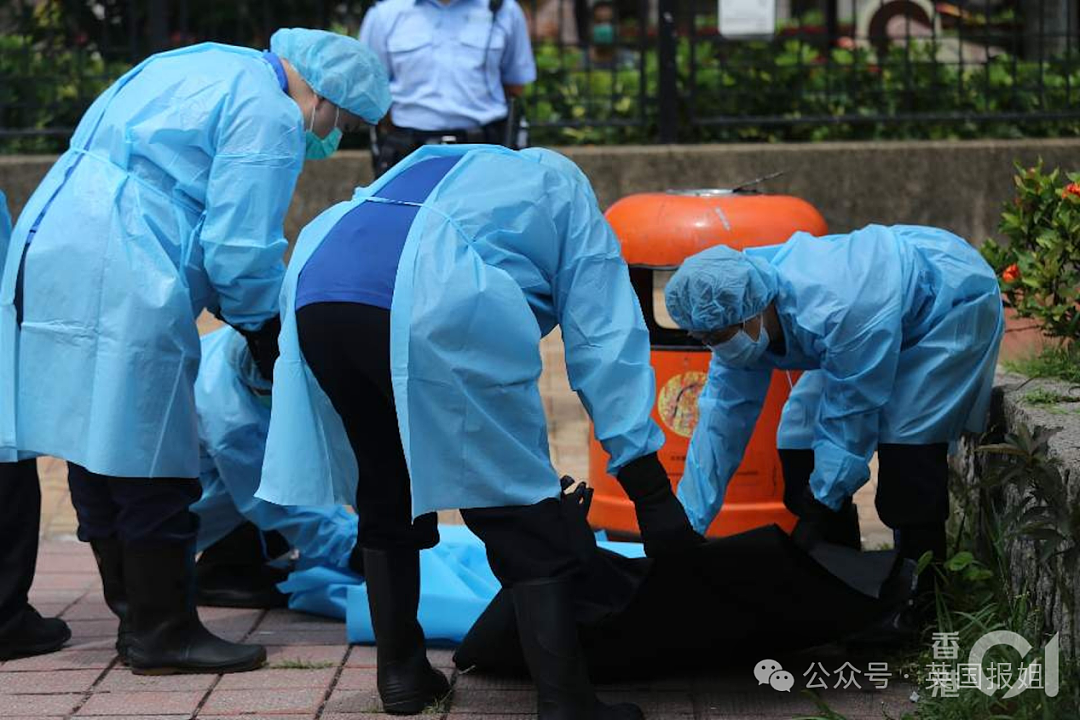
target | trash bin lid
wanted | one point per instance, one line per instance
(662, 229)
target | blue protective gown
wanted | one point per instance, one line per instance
(900, 326)
(506, 247)
(5, 229)
(233, 423)
(170, 200)
(7, 455)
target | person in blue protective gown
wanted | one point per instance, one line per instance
(898, 328)
(169, 201)
(22, 629)
(411, 323)
(233, 403)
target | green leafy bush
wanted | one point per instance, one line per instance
(48, 77)
(810, 93)
(793, 82)
(1039, 263)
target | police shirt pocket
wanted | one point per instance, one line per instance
(483, 43)
(474, 36)
(410, 46)
(409, 38)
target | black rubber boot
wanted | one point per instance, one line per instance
(549, 641)
(167, 636)
(109, 554)
(407, 682)
(30, 634)
(356, 560)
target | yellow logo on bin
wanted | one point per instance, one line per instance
(677, 403)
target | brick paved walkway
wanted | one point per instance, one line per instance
(312, 673)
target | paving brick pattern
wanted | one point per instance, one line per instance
(312, 674)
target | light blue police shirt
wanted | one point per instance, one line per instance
(448, 62)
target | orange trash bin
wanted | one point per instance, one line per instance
(657, 232)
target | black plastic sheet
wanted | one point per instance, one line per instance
(751, 595)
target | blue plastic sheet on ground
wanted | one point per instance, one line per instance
(456, 584)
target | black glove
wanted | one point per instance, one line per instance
(661, 517)
(574, 507)
(263, 345)
(820, 523)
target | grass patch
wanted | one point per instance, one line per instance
(1060, 362)
(300, 665)
(975, 590)
(1044, 397)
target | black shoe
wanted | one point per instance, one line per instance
(240, 586)
(109, 554)
(407, 682)
(549, 640)
(32, 634)
(167, 636)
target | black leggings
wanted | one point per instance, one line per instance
(347, 347)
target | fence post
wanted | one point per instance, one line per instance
(157, 17)
(669, 71)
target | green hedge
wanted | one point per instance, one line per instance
(784, 79)
(44, 85)
(790, 80)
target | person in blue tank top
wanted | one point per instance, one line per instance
(412, 318)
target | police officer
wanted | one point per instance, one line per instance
(456, 68)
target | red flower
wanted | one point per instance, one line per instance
(1072, 189)
(1011, 274)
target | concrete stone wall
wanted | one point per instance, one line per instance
(955, 185)
(1056, 595)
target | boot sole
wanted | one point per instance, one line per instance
(411, 706)
(181, 670)
(250, 602)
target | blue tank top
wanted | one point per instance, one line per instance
(358, 260)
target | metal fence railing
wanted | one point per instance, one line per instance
(632, 70)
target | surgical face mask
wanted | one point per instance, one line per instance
(741, 350)
(603, 34)
(318, 148)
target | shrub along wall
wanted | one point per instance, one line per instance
(1042, 544)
